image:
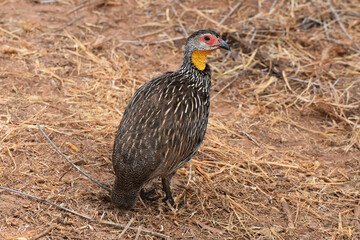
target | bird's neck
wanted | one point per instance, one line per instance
(192, 74)
(198, 59)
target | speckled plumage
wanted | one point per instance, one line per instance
(162, 128)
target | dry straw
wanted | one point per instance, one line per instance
(281, 155)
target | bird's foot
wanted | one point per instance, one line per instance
(172, 202)
(145, 195)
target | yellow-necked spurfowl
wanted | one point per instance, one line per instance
(164, 124)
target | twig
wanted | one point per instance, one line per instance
(253, 36)
(91, 3)
(155, 42)
(352, 14)
(340, 24)
(209, 156)
(271, 20)
(63, 27)
(84, 216)
(272, 6)
(69, 23)
(168, 40)
(179, 21)
(313, 20)
(134, 228)
(222, 56)
(43, 233)
(154, 32)
(258, 144)
(326, 32)
(48, 1)
(131, 41)
(138, 233)
(221, 90)
(337, 80)
(316, 7)
(252, 139)
(203, 15)
(356, 220)
(10, 33)
(48, 202)
(229, 13)
(286, 208)
(77, 8)
(126, 228)
(227, 55)
(67, 159)
(322, 22)
(190, 170)
(304, 81)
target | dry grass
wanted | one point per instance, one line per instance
(281, 158)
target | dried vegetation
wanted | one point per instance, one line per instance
(281, 158)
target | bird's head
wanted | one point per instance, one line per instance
(200, 44)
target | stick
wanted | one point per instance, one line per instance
(190, 170)
(134, 228)
(168, 40)
(337, 80)
(43, 233)
(155, 42)
(286, 208)
(258, 144)
(304, 81)
(48, 202)
(126, 228)
(227, 85)
(69, 23)
(138, 233)
(138, 43)
(271, 20)
(179, 21)
(63, 27)
(316, 7)
(93, 3)
(74, 165)
(10, 33)
(323, 22)
(209, 156)
(77, 8)
(84, 216)
(48, 1)
(341, 25)
(326, 32)
(356, 220)
(252, 139)
(272, 6)
(229, 13)
(253, 36)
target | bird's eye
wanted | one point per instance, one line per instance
(206, 38)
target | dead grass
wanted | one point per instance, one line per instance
(281, 155)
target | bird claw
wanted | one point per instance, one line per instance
(146, 195)
(172, 202)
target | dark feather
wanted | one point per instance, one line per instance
(162, 128)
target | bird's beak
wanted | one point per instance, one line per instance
(223, 44)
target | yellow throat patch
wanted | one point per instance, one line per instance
(198, 58)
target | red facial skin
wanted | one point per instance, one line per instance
(212, 40)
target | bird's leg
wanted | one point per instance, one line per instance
(166, 188)
(146, 195)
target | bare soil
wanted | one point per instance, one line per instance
(281, 158)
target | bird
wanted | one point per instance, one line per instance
(164, 124)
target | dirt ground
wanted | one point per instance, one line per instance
(281, 157)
